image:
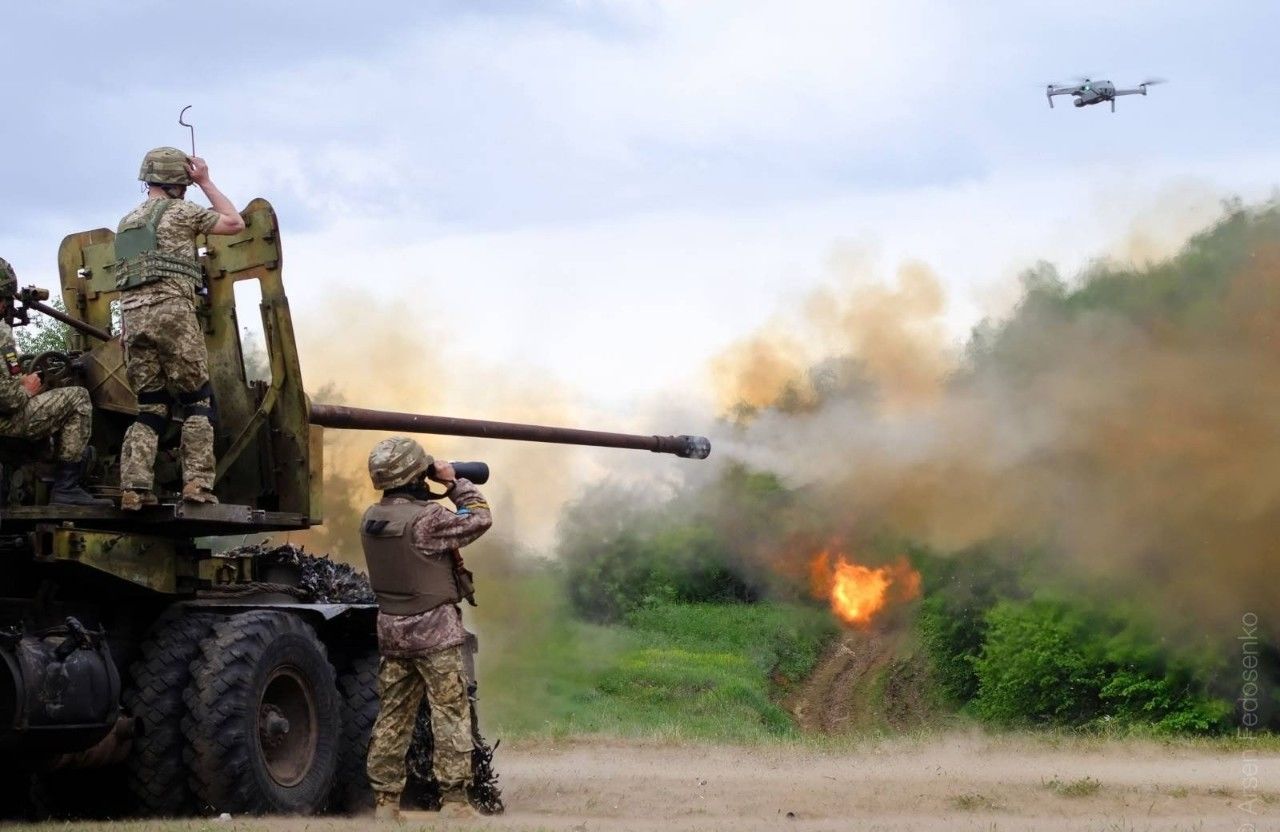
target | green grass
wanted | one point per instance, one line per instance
(1082, 787)
(678, 671)
(975, 802)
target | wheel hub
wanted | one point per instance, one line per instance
(273, 727)
(287, 726)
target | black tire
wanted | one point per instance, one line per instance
(358, 688)
(263, 723)
(154, 696)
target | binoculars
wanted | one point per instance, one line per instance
(476, 472)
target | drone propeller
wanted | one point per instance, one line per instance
(1151, 82)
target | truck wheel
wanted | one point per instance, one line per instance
(358, 687)
(154, 696)
(263, 723)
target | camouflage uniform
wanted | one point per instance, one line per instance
(422, 654)
(164, 346)
(65, 413)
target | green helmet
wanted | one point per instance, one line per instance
(165, 166)
(8, 279)
(397, 461)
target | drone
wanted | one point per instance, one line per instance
(1095, 92)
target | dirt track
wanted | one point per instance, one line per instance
(956, 782)
(951, 783)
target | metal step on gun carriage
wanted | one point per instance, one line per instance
(131, 654)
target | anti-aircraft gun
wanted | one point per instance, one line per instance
(126, 644)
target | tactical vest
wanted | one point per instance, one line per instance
(140, 261)
(406, 580)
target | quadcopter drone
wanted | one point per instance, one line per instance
(1095, 92)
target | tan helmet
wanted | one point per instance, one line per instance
(165, 166)
(8, 279)
(397, 461)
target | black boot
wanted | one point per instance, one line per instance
(67, 490)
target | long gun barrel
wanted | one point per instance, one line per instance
(358, 418)
(74, 323)
(33, 298)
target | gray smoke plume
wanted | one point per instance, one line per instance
(1125, 423)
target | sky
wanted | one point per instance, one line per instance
(606, 195)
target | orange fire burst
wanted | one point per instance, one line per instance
(858, 593)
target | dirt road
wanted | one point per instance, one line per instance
(953, 782)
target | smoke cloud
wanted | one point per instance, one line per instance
(388, 359)
(1125, 424)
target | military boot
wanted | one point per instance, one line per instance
(67, 490)
(386, 806)
(196, 493)
(134, 499)
(455, 805)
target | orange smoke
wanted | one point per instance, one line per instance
(858, 593)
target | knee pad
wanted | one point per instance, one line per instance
(154, 399)
(160, 397)
(199, 402)
(155, 421)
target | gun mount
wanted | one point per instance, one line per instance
(110, 602)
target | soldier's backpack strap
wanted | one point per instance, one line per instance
(140, 261)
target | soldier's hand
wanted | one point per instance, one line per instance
(32, 384)
(442, 472)
(198, 170)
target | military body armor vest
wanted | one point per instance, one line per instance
(406, 580)
(140, 261)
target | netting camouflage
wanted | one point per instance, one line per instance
(322, 580)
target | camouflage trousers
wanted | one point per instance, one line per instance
(65, 413)
(164, 347)
(401, 686)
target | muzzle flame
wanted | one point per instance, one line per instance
(859, 593)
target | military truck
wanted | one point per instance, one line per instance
(127, 649)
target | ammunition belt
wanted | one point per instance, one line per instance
(152, 266)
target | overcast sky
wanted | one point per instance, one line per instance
(608, 193)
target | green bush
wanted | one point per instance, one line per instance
(622, 551)
(959, 591)
(1060, 662)
(1032, 666)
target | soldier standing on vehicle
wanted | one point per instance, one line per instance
(28, 411)
(411, 547)
(157, 273)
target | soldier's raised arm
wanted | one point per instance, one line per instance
(229, 219)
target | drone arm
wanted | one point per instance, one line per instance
(1051, 91)
(1135, 91)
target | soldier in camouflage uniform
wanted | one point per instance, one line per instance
(411, 547)
(157, 273)
(29, 412)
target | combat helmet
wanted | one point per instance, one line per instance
(165, 166)
(397, 461)
(8, 280)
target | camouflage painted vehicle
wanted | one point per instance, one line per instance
(139, 670)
